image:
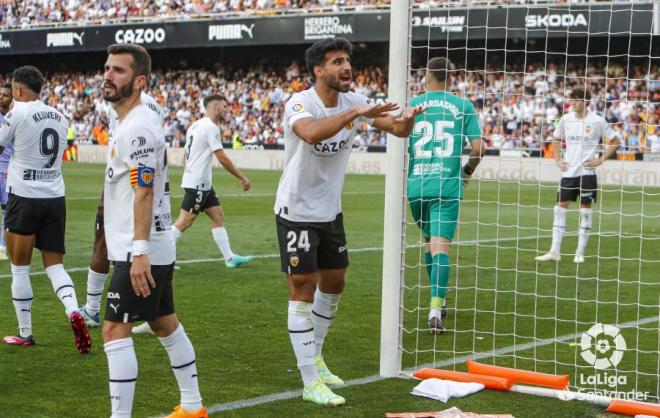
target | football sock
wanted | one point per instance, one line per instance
(585, 229)
(324, 310)
(95, 283)
(428, 262)
(123, 371)
(558, 229)
(182, 358)
(63, 287)
(439, 277)
(176, 233)
(222, 240)
(301, 333)
(21, 293)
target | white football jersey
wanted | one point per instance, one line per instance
(38, 133)
(310, 187)
(137, 156)
(202, 141)
(583, 141)
(146, 99)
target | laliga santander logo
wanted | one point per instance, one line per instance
(602, 346)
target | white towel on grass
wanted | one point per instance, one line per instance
(443, 390)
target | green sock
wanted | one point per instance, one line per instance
(439, 279)
(428, 262)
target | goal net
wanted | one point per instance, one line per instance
(518, 63)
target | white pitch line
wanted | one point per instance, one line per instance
(246, 403)
(357, 250)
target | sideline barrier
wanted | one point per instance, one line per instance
(490, 382)
(507, 168)
(520, 376)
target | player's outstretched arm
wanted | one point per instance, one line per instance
(401, 125)
(228, 165)
(314, 131)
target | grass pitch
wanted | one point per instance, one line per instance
(502, 302)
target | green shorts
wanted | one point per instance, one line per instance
(436, 217)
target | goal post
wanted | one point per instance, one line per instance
(598, 319)
(395, 214)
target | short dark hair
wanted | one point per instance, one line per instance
(30, 77)
(439, 67)
(141, 64)
(6, 86)
(212, 97)
(579, 93)
(315, 54)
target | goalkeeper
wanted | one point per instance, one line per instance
(435, 177)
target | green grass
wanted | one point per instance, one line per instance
(237, 319)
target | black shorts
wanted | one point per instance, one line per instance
(306, 247)
(45, 218)
(123, 305)
(195, 201)
(586, 187)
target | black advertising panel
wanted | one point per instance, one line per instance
(433, 25)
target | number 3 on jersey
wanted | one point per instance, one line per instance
(302, 239)
(443, 142)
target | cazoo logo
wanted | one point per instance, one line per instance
(140, 36)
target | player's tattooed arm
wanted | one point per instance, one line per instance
(314, 131)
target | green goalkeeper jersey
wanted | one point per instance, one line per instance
(436, 144)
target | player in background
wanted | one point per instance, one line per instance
(136, 211)
(319, 127)
(99, 265)
(202, 143)
(5, 103)
(585, 135)
(435, 177)
(36, 209)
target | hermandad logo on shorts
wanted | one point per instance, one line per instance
(602, 346)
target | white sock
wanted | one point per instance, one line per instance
(222, 240)
(182, 358)
(176, 233)
(63, 287)
(301, 333)
(324, 310)
(21, 293)
(123, 371)
(558, 228)
(585, 229)
(95, 284)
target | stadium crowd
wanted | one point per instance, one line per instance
(517, 109)
(27, 13)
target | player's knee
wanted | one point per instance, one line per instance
(115, 331)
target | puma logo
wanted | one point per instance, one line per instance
(70, 295)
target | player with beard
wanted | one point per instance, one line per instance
(5, 103)
(99, 266)
(36, 208)
(136, 211)
(319, 126)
